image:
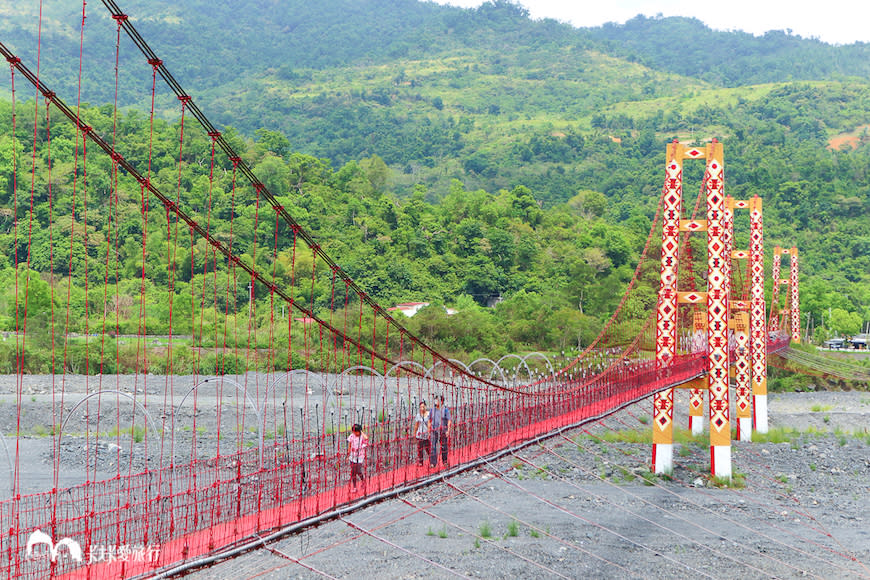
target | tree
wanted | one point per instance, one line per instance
(589, 204)
(482, 279)
(273, 141)
(274, 174)
(524, 206)
(845, 323)
(617, 247)
(377, 171)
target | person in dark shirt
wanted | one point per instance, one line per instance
(439, 429)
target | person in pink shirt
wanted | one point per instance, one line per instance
(421, 432)
(357, 442)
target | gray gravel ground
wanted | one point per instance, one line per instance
(587, 508)
(583, 506)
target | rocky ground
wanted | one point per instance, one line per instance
(585, 506)
(579, 506)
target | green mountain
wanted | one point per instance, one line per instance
(687, 47)
(424, 130)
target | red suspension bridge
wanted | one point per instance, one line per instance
(288, 351)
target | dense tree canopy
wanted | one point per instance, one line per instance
(444, 155)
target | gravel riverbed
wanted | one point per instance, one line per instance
(585, 506)
(582, 505)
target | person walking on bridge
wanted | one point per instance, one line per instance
(421, 433)
(357, 442)
(439, 428)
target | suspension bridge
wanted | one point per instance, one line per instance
(287, 350)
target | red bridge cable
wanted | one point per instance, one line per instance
(56, 406)
(112, 227)
(246, 170)
(146, 184)
(113, 204)
(297, 561)
(19, 347)
(631, 283)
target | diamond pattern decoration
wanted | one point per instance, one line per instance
(696, 400)
(663, 416)
(693, 225)
(776, 268)
(692, 297)
(742, 378)
(757, 322)
(719, 228)
(795, 298)
(666, 309)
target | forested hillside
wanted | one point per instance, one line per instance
(459, 156)
(686, 46)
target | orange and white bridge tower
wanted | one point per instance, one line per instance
(716, 298)
(757, 321)
(787, 319)
(749, 325)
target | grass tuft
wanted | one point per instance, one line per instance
(485, 530)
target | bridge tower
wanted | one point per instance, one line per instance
(757, 322)
(778, 315)
(749, 323)
(716, 298)
(795, 303)
(739, 329)
(787, 319)
(697, 386)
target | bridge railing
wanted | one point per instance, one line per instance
(180, 512)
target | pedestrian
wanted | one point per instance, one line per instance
(357, 442)
(421, 432)
(439, 428)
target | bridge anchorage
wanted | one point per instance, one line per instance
(729, 325)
